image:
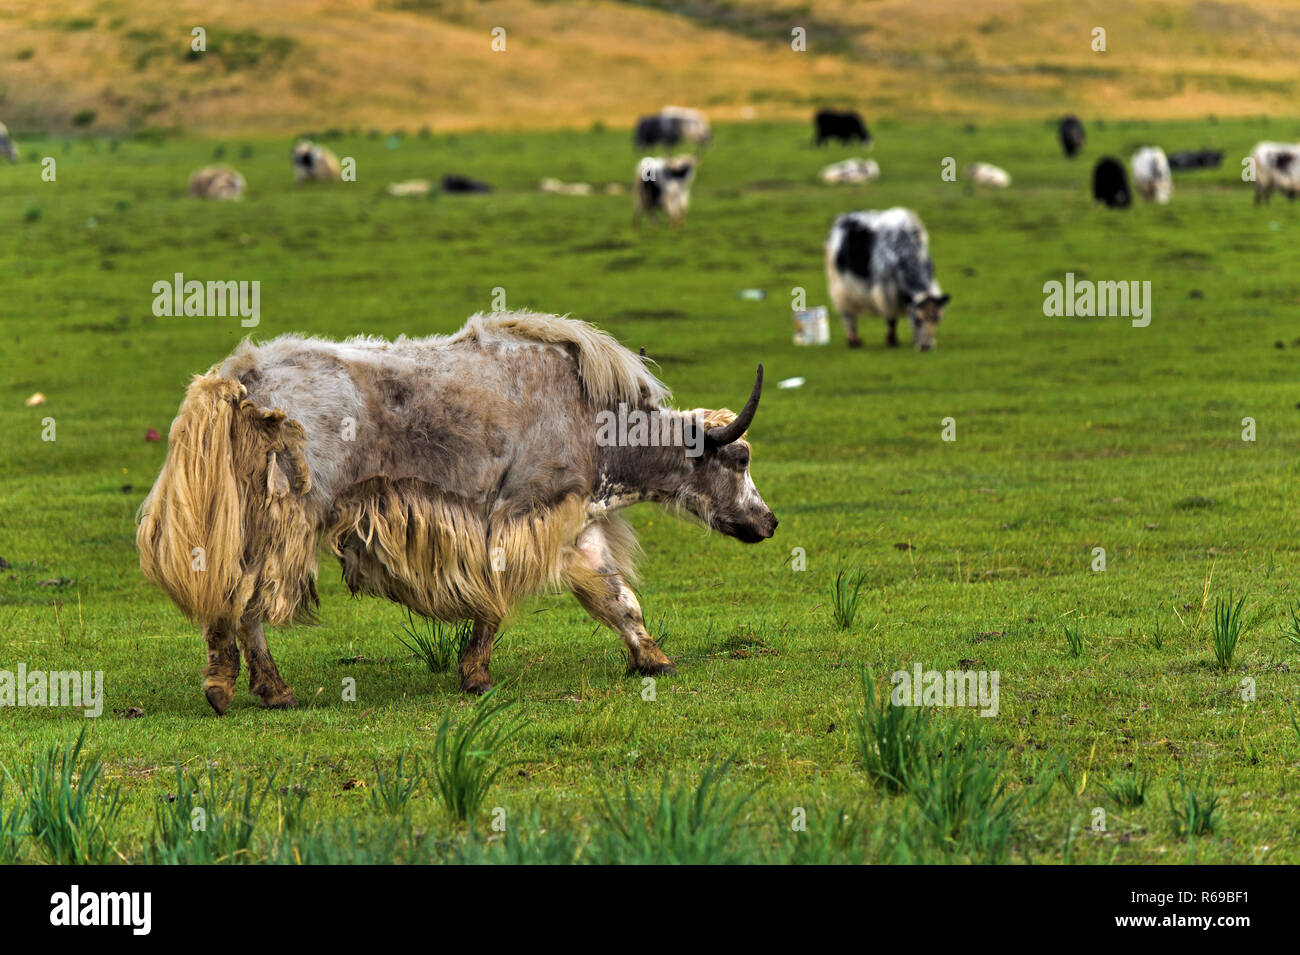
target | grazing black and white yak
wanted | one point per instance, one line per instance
(1072, 136)
(456, 475)
(1277, 166)
(409, 188)
(851, 171)
(1151, 175)
(217, 182)
(671, 126)
(314, 163)
(559, 188)
(880, 261)
(663, 185)
(1186, 160)
(8, 148)
(846, 126)
(1110, 183)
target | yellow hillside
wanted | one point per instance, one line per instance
(278, 65)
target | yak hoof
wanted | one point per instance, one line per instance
(281, 701)
(855, 342)
(665, 668)
(218, 698)
(476, 687)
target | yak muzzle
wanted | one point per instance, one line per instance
(753, 531)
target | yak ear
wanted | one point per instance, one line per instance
(943, 299)
(645, 391)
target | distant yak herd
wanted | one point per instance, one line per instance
(662, 184)
(1274, 165)
(877, 261)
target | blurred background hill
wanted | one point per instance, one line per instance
(277, 65)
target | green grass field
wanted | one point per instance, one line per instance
(1071, 434)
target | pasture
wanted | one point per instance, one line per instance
(1070, 434)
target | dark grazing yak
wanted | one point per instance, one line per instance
(670, 126)
(1072, 136)
(1110, 183)
(1188, 159)
(846, 126)
(453, 474)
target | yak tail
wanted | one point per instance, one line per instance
(225, 530)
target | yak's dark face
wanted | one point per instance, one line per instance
(926, 313)
(721, 492)
(302, 155)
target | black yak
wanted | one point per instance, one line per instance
(1110, 183)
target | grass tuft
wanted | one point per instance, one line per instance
(1194, 807)
(958, 789)
(1128, 790)
(946, 771)
(13, 827)
(889, 736)
(1291, 628)
(392, 792)
(438, 644)
(207, 822)
(677, 824)
(1228, 626)
(465, 755)
(70, 818)
(846, 594)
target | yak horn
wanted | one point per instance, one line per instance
(729, 433)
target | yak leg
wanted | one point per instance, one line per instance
(476, 658)
(891, 333)
(603, 593)
(263, 677)
(851, 329)
(223, 665)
